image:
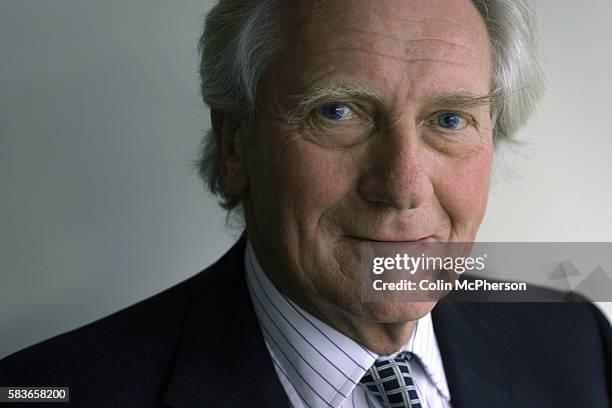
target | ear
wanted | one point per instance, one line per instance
(228, 133)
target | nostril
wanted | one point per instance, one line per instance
(399, 192)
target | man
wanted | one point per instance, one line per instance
(338, 123)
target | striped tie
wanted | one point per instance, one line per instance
(391, 382)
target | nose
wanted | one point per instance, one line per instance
(398, 175)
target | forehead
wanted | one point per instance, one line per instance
(432, 45)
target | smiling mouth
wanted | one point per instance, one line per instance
(429, 238)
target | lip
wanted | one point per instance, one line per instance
(429, 238)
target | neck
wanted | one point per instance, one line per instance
(381, 338)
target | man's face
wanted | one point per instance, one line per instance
(373, 126)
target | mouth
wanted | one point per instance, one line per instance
(429, 238)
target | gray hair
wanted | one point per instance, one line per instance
(240, 39)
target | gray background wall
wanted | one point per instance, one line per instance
(100, 121)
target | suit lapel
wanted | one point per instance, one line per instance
(482, 368)
(222, 360)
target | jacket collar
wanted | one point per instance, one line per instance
(222, 360)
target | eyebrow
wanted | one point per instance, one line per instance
(463, 100)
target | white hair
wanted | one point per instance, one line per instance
(241, 37)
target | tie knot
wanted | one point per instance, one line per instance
(390, 380)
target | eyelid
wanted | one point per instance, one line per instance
(356, 110)
(470, 120)
(464, 115)
(351, 112)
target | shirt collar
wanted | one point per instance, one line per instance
(322, 364)
(424, 345)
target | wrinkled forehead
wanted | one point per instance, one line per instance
(401, 34)
(454, 20)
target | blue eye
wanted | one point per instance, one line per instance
(451, 120)
(337, 111)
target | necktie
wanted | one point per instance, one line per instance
(391, 382)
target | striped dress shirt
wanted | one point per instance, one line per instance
(318, 366)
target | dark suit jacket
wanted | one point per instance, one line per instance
(198, 344)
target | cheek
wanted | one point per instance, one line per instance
(304, 184)
(462, 187)
(304, 181)
(318, 178)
